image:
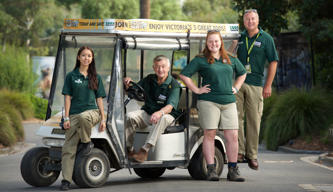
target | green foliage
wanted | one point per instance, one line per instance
(272, 13)
(166, 10)
(18, 101)
(120, 9)
(316, 21)
(40, 106)
(297, 112)
(15, 71)
(15, 120)
(7, 136)
(213, 11)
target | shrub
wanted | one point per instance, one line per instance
(297, 112)
(19, 101)
(7, 136)
(15, 70)
(40, 106)
(15, 121)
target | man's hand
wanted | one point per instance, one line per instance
(155, 117)
(127, 81)
(267, 91)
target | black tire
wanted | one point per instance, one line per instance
(91, 170)
(198, 166)
(151, 173)
(33, 167)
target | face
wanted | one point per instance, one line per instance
(161, 68)
(85, 57)
(213, 43)
(251, 21)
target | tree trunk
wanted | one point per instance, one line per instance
(145, 9)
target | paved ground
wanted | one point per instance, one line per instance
(279, 171)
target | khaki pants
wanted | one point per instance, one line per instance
(249, 102)
(139, 120)
(80, 130)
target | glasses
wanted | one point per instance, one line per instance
(213, 31)
(250, 11)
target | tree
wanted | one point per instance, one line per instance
(272, 13)
(120, 9)
(166, 10)
(145, 9)
(213, 11)
(316, 22)
(33, 24)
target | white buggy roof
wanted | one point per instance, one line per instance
(148, 27)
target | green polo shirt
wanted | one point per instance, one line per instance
(218, 75)
(263, 49)
(158, 96)
(82, 98)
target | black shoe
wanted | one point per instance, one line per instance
(212, 175)
(85, 148)
(64, 185)
(234, 175)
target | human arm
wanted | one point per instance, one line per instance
(190, 84)
(127, 81)
(156, 116)
(67, 107)
(100, 106)
(238, 83)
(267, 91)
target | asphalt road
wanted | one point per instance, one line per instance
(278, 172)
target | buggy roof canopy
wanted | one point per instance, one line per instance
(148, 27)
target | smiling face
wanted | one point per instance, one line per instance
(85, 57)
(161, 68)
(213, 43)
(251, 21)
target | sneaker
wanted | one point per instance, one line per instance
(212, 175)
(234, 174)
(64, 185)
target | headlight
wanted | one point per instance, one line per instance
(53, 142)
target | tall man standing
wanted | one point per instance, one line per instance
(255, 47)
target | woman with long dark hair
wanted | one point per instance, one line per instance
(216, 100)
(84, 92)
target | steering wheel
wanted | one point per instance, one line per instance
(135, 91)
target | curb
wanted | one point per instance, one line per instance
(314, 161)
(324, 159)
(320, 158)
(291, 150)
(18, 148)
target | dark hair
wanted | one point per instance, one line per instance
(92, 75)
(223, 52)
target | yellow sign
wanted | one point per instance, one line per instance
(147, 25)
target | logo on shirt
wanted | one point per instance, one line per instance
(257, 43)
(161, 99)
(78, 81)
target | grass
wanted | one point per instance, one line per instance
(19, 101)
(7, 136)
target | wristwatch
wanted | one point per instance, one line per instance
(66, 119)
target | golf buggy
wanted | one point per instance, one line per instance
(126, 48)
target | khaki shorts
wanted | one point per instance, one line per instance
(217, 116)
